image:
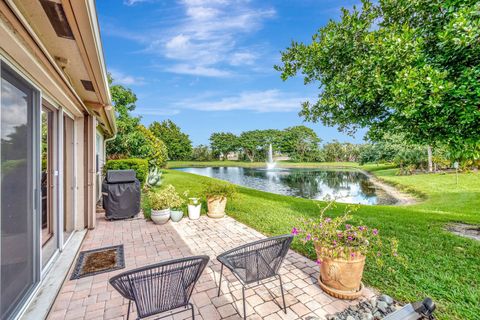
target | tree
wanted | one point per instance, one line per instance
(255, 143)
(124, 102)
(223, 143)
(133, 140)
(178, 143)
(333, 151)
(397, 66)
(201, 153)
(300, 143)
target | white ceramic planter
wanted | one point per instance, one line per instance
(160, 216)
(176, 215)
(194, 211)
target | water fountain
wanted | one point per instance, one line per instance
(270, 163)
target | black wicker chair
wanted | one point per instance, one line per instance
(161, 287)
(256, 262)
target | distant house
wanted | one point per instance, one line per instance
(56, 113)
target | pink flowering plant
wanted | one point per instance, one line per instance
(336, 238)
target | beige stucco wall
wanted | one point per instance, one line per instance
(18, 53)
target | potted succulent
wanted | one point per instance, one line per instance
(341, 250)
(217, 194)
(161, 203)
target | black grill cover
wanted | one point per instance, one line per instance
(117, 176)
(121, 194)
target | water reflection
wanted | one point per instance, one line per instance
(319, 184)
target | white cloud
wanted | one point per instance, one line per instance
(242, 58)
(156, 112)
(207, 35)
(127, 80)
(198, 70)
(202, 13)
(258, 101)
(134, 2)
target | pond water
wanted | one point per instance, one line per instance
(318, 184)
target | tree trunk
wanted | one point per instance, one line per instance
(250, 155)
(430, 161)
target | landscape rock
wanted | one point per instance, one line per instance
(374, 309)
(366, 316)
(386, 299)
(382, 306)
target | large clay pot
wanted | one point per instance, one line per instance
(160, 216)
(216, 207)
(341, 277)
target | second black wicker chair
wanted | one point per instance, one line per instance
(161, 287)
(256, 262)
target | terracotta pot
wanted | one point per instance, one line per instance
(341, 277)
(216, 207)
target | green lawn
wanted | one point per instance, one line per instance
(440, 265)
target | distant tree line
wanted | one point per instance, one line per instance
(300, 143)
(163, 141)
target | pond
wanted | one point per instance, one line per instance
(319, 184)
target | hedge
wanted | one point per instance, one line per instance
(139, 165)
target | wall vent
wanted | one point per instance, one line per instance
(57, 18)
(88, 85)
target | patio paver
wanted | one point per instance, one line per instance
(146, 243)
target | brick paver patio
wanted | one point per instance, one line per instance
(146, 243)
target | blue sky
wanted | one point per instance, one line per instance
(208, 64)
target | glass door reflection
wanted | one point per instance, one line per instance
(48, 152)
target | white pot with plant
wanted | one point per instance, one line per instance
(161, 203)
(194, 208)
(177, 204)
(217, 194)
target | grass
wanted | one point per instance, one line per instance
(440, 265)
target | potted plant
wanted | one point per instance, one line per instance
(194, 208)
(341, 250)
(161, 203)
(217, 194)
(176, 205)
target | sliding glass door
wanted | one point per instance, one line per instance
(19, 248)
(49, 181)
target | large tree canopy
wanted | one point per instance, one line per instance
(255, 143)
(223, 142)
(133, 140)
(398, 66)
(300, 143)
(178, 143)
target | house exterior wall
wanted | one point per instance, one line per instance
(29, 62)
(59, 102)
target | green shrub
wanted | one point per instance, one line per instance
(165, 199)
(139, 165)
(219, 189)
